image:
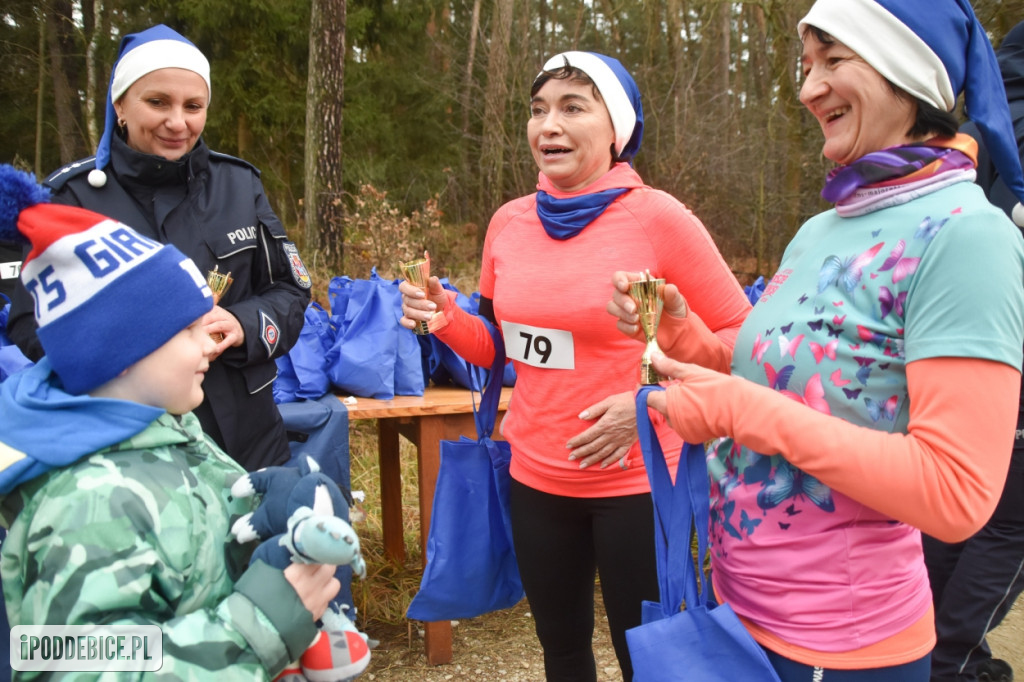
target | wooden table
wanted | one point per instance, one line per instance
(441, 413)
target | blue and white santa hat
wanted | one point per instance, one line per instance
(934, 50)
(618, 90)
(142, 53)
(105, 295)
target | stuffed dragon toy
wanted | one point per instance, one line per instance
(298, 521)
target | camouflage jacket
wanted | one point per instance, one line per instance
(139, 533)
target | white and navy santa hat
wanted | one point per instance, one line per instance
(105, 296)
(934, 50)
(142, 53)
(618, 90)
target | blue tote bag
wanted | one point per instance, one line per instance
(302, 372)
(471, 565)
(706, 641)
(372, 354)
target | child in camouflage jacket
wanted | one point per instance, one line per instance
(118, 506)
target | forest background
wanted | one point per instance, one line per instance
(385, 126)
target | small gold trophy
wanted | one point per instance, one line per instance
(218, 283)
(647, 294)
(417, 273)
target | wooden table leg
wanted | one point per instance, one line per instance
(390, 489)
(437, 635)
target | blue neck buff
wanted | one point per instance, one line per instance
(565, 218)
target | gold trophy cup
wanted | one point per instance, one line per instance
(218, 283)
(417, 273)
(647, 294)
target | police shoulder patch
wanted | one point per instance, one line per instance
(299, 272)
(270, 333)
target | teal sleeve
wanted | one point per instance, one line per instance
(967, 298)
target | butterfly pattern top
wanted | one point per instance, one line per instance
(828, 332)
(854, 302)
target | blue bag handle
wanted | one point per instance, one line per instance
(679, 510)
(487, 414)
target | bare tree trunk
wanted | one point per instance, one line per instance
(492, 155)
(325, 210)
(40, 89)
(58, 24)
(729, 99)
(791, 138)
(610, 14)
(243, 135)
(92, 77)
(467, 86)
(463, 191)
(676, 132)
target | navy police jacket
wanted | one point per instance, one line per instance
(214, 209)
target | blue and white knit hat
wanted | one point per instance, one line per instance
(618, 90)
(105, 296)
(934, 50)
(142, 53)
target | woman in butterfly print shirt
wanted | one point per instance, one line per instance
(873, 387)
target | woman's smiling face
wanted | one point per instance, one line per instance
(570, 133)
(856, 107)
(165, 112)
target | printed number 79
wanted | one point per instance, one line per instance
(540, 344)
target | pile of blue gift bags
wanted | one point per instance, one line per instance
(359, 348)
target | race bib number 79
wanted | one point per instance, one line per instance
(547, 348)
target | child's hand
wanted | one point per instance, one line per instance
(315, 584)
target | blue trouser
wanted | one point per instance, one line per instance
(319, 428)
(975, 583)
(791, 671)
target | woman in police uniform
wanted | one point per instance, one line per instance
(153, 171)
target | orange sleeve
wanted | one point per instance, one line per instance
(943, 476)
(688, 339)
(464, 333)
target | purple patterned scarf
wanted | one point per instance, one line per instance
(891, 164)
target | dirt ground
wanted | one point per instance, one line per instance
(497, 647)
(1007, 641)
(502, 647)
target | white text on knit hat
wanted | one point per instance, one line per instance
(108, 251)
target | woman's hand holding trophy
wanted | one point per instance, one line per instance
(646, 292)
